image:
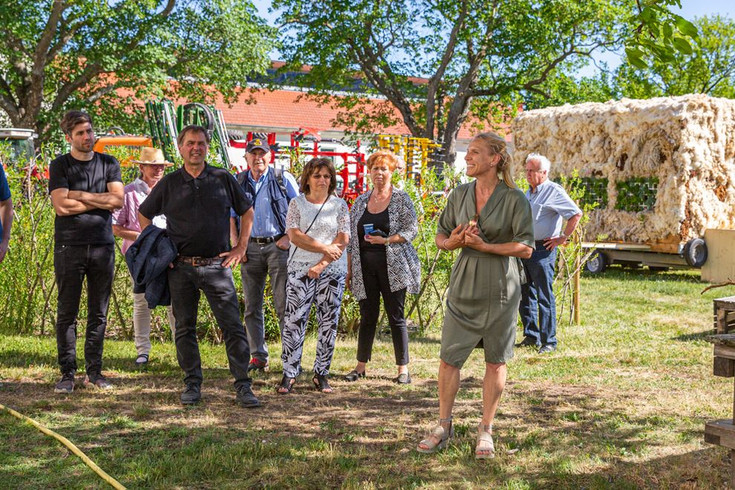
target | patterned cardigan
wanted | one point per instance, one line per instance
(404, 267)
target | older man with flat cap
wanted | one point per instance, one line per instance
(270, 189)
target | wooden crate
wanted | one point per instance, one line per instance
(724, 314)
(720, 433)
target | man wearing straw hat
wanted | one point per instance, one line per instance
(125, 224)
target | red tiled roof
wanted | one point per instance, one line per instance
(292, 109)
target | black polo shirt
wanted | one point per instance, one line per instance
(93, 227)
(197, 210)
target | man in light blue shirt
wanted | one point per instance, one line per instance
(550, 204)
(270, 191)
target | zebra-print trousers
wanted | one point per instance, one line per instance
(301, 293)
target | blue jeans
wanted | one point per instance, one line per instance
(263, 260)
(71, 264)
(185, 283)
(538, 305)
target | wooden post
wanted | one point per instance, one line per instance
(722, 432)
(577, 272)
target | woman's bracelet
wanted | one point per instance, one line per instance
(444, 244)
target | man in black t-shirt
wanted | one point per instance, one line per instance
(196, 200)
(85, 187)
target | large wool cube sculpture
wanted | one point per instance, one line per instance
(663, 169)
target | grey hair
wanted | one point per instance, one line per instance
(545, 163)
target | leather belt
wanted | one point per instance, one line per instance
(198, 261)
(266, 240)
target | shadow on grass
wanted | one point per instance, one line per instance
(23, 358)
(365, 433)
(423, 339)
(689, 337)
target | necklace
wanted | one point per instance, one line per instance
(377, 203)
(376, 197)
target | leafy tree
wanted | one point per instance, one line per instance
(105, 55)
(658, 33)
(708, 69)
(480, 58)
(564, 88)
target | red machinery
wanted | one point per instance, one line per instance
(351, 172)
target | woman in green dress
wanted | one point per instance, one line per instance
(489, 219)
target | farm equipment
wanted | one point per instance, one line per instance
(418, 153)
(20, 142)
(351, 174)
(350, 170)
(116, 137)
(165, 122)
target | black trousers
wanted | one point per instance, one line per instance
(375, 279)
(72, 263)
(186, 283)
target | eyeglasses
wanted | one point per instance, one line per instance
(532, 171)
(321, 176)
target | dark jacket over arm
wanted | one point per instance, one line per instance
(148, 259)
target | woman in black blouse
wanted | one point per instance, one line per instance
(382, 261)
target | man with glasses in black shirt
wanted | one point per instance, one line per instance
(196, 200)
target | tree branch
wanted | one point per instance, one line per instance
(386, 83)
(435, 80)
(84, 78)
(713, 286)
(65, 36)
(47, 36)
(7, 102)
(100, 92)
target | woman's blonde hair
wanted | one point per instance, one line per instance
(498, 146)
(383, 156)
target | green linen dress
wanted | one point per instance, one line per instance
(484, 289)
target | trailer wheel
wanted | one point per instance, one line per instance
(695, 252)
(597, 263)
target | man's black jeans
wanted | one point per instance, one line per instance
(72, 263)
(186, 283)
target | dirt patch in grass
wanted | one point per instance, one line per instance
(546, 433)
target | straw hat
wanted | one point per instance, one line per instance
(152, 156)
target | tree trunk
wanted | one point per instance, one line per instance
(456, 117)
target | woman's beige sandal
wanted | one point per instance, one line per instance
(485, 448)
(438, 438)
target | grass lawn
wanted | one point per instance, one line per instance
(621, 404)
